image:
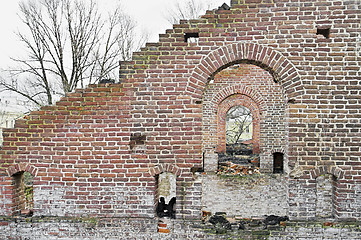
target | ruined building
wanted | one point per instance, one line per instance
(149, 157)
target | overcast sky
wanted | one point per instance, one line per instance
(148, 13)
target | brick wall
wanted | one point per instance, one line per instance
(127, 228)
(247, 197)
(252, 87)
(98, 151)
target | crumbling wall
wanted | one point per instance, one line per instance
(81, 152)
(245, 197)
(97, 151)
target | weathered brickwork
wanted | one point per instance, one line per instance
(137, 228)
(252, 197)
(252, 87)
(98, 152)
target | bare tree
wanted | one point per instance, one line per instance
(69, 44)
(238, 122)
(188, 9)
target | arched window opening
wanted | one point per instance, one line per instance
(23, 193)
(239, 132)
(325, 194)
(277, 162)
(166, 195)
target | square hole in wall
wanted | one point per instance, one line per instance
(324, 32)
(191, 37)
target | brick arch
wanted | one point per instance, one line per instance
(238, 89)
(17, 187)
(279, 150)
(165, 167)
(280, 67)
(333, 170)
(22, 167)
(224, 106)
(337, 174)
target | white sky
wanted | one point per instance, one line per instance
(148, 13)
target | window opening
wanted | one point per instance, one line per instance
(239, 158)
(324, 32)
(238, 121)
(23, 193)
(166, 195)
(191, 37)
(277, 162)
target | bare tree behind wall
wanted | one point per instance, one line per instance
(238, 124)
(69, 44)
(188, 9)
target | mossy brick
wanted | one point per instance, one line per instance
(304, 87)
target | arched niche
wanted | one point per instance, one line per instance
(254, 88)
(22, 188)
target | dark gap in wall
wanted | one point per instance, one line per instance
(191, 37)
(106, 80)
(196, 169)
(324, 32)
(277, 162)
(334, 195)
(291, 101)
(156, 193)
(203, 157)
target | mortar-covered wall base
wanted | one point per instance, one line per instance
(247, 196)
(51, 228)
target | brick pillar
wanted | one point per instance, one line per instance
(210, 162)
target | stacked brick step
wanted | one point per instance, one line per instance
(164, 226)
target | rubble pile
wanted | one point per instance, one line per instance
(230, 168)
(239, 149)
(238, 160)
(221, 223)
